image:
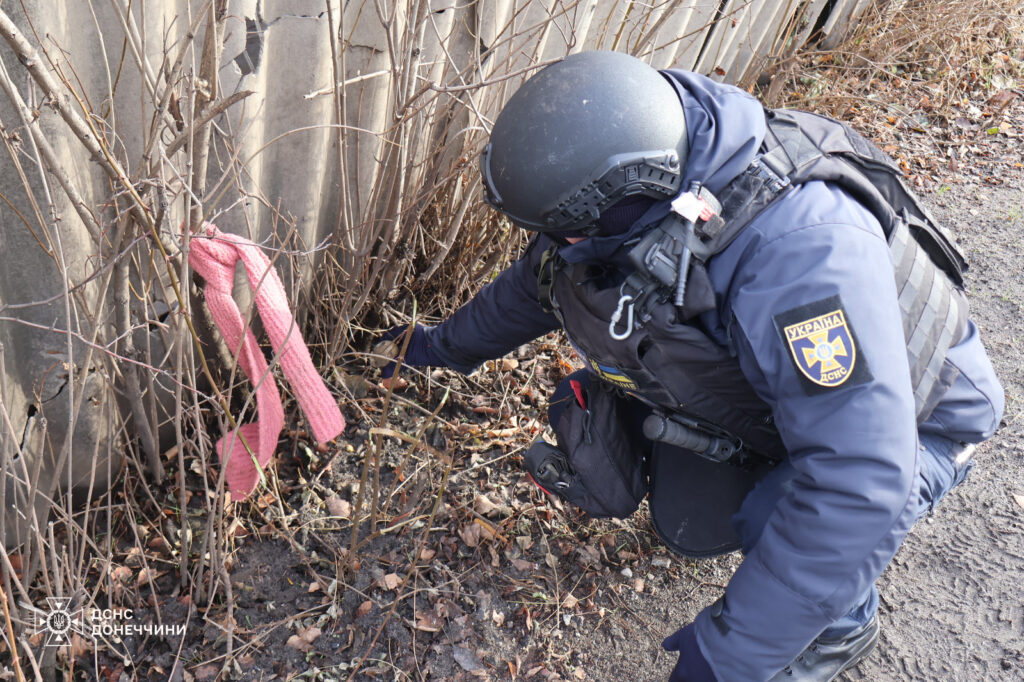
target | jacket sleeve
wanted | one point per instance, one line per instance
(839, 388)
(504, 315)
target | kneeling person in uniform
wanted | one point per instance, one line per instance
(776, 343)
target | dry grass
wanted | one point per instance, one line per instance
(943, 50)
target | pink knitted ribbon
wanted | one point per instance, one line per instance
(215, 260)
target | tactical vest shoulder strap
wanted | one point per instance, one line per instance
(802, 147)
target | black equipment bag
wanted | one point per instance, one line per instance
(597, 465)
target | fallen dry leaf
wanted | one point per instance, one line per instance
(80, 646)
(487, 531)
(589, 555)
(1001, 100)
(390, 581)
(237, 529)
(364, 608)
(470, 534)
(134, 557)
(15, 559)
(427, 554)
(399, 383)
(146, 576)
(338, 507)
(296, 642)
(121, 574)
(483, 505)
(303, 641)
(427, 622)
(206, 672)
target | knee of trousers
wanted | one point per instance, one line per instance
(945, 464)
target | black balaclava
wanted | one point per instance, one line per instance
(620, 217)
(620, 224)
(616, 219)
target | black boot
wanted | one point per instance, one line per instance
(825, 659)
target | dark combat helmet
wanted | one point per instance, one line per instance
(579, 137)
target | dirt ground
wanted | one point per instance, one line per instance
(474, 574)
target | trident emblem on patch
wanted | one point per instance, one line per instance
(823, 348)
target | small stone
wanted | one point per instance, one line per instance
(466, 659)
(627, 572)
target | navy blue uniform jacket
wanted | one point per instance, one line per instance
(854, 446)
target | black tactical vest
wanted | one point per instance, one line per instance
(675, 366)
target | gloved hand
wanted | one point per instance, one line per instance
(691, 666)
(417, 353)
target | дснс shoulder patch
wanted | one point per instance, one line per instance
(822, 345)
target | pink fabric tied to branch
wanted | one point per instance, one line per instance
(214, 258)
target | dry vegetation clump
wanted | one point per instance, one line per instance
(911, 63)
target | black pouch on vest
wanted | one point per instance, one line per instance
(595, 466)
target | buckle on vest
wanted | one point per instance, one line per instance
(761, 170)
(546, 278)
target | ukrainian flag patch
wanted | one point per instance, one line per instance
(613, 375)
(822, 345)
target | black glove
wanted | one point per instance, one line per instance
(691, 666)
(417, 353)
